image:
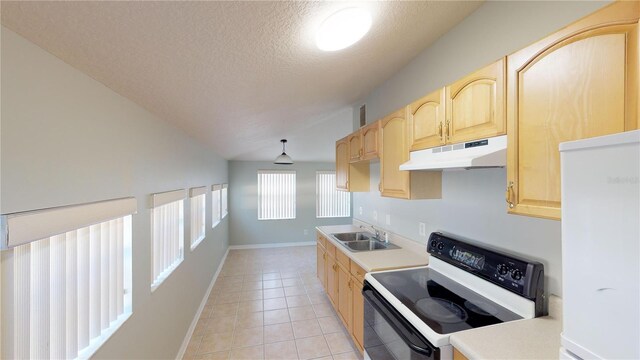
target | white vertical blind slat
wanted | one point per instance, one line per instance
(58, 297)
(71, 295)
(120, 267)
(94, 281)
(84, 287)
(22, 295)
(40, 312)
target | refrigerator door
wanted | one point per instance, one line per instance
(601, 246)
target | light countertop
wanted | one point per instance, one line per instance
(410, 254)
(537, 338)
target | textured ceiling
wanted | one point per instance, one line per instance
(238, 76)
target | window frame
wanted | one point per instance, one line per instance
(159, 201)
(335, 192)
(292, 197)
(197, 194)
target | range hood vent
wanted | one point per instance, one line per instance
(478, 154)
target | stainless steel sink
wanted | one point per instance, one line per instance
(369, 245)
(352, 236)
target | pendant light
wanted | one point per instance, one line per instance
(283, 159)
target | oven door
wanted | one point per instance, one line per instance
(388, 335)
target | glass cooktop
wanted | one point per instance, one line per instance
(443, 304)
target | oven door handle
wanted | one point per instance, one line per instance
(399, 324)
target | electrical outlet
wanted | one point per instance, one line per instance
(306, 232)
(375, 215)
(388, 219)
(422, 229)
(360, 210)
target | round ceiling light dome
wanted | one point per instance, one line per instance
(342, 29)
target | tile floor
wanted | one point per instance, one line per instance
(268, 304)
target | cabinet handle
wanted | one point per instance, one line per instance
(510, 194)
(349, 284)
(334, 267)
(380, 187)
(448, 133)
(358, 273)
(440, 132)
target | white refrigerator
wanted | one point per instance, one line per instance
(601, 247)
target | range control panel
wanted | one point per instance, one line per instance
(513, 273)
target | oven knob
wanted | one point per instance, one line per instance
(503, 269)
(434, 243)
(440, 246)
(516, 274)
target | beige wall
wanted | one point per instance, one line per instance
(67, 139)
(473, 203)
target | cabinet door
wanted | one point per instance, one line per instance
(357, 330)
(578, 83)
(476, 105)
(320, 265)
(332, 281)
(426, 121)
(355, 146)
(344, 297)
(342, 164)
(370, 141)
(394, 152)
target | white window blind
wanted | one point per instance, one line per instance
(64, 295)
(329, 201)
(167, 234)
(224, 200)
(216, 200)
(276, 195)
(198, 210)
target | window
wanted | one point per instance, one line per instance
(215, 204)
(224, 205)
(276, 195)
(329, 201)
(198, 210)
(167, 234)
(66, 279)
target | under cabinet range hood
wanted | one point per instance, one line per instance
(485, 153)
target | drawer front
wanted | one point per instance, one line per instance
(357, 272)
(343, 259)
(321, 240)
(331, 249)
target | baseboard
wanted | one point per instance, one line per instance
(194, 322)
(273, 245)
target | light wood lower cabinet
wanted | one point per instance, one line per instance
(578, 83)
(357, 331)
(345, 298)
(321, 264)
(344, 287)
(457, 355)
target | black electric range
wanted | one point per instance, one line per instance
(410, 313)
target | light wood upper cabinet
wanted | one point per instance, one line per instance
(350, 176)
(476, 105)
(394, 152)
(393, 182)
(370, 141)
(426, 121)
(355, 146)
(342, 164)
(578, 83)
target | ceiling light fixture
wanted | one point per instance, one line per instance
(283, 159)
(342, 29)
